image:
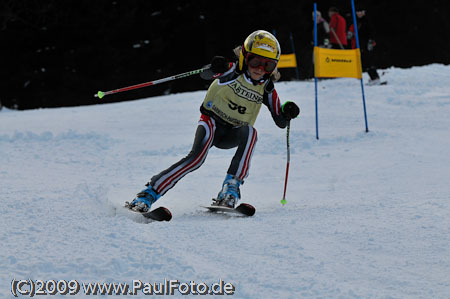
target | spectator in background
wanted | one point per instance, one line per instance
(323, 31)
(338, 29)
(367, 44)
(323, 41)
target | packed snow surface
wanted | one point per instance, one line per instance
(367, 214)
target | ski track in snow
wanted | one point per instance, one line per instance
(367, 214)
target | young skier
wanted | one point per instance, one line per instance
(228, 113)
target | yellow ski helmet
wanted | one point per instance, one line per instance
(261, 43)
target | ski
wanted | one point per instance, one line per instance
(158, 214)
(244, 209)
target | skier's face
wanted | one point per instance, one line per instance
(318, 17)
(259, 66)
(256, 73)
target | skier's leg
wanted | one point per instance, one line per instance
(166, 179)
(245, 139)
(371, 69)
(203, 141)
(373, 74)
(240, 164)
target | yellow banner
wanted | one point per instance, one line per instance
(331, 63)
(287, 60)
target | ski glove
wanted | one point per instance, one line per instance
(349, 35)
(371, 44)
(219, 65)
(290, 110)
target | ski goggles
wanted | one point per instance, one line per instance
(255, 61)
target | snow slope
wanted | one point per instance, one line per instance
(368, 214)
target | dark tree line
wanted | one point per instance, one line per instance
(60, 52)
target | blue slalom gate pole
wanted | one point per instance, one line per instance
(315, 78)
(357, 46)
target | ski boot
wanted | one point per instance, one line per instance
(144, 200)
(230, 193)
(374, 82)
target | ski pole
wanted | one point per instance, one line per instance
(284, 201)
(101, 94)
(337, 38)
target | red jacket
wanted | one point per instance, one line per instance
(338, 24)
(353, 40)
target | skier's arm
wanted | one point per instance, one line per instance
(326, 26)
(333, 24)
(219, 67)
(370, 35)
(272, 102)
